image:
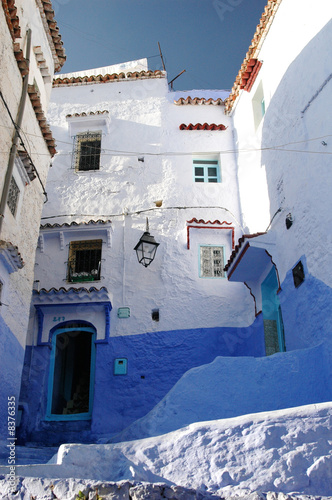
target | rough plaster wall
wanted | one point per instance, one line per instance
(144, 120)
(281, 108)
(22, 231)
(156, 361)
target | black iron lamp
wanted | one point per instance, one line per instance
(146, 247)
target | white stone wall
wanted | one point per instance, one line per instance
(22, 230)
(290, 167)
(144, 122)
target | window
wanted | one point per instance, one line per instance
(87, 149)
(206, 170)
(212, 262)
(84, 261)
(298, 274)
(258, 105)
(13, 196)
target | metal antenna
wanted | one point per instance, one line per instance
(161, 57)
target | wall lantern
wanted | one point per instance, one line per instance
(146, 247)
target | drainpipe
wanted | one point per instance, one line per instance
(13, 150)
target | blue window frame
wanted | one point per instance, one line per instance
(211, 261)
(206, 170)
(72, 369)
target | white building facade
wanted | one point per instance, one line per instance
(31, 51)
(241, 221)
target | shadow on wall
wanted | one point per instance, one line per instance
(299, 179)
(229, 387)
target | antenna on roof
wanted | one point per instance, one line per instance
(171, 82)
(164, 67)
(161, 57)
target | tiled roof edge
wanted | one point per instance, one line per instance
(52, 33)
(182, 101)
(253, 51)
(41, 117)
(74, 223)
(89, 113)
(81, 80)
(70, 289)
(199, 126)
(238, 247)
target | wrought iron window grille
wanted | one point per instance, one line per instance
(86, 151)
(84, 262)
(13, 196)
(212, 262)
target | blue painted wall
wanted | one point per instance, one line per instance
(11, 364)
(156, 361)
(306, 311)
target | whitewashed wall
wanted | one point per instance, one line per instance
(22, 230)
(145, 122)
(295, 75)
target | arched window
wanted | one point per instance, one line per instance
(71, 381)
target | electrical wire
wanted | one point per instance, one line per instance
(138, 212)
(23, 145)
(114, 152)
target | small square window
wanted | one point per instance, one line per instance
(13, 196)
(258, 105)
(87, 149)
(212, 262)
(298, 274)
(206, 170)
(84, 262)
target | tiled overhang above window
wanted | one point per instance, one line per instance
(199, 126)
(200, 101)
(10, 256)
(249, 258)
(70, 295)
(69, 228)
(75, 224)
(254, 49)
(115, 77)
(88, 120)
(202, 224)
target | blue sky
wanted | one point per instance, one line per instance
(207, 38)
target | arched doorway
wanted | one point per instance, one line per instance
(71, 381)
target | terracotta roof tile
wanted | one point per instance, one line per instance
(52, 30)
(253, 51)
(70, 289)
(238, 247)
(70, 224)
(198, 101)
(250, 74)
(80, 80)
(199, 126)
(89, 113)
(11, 256)
(12, 19)
(40, 115)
